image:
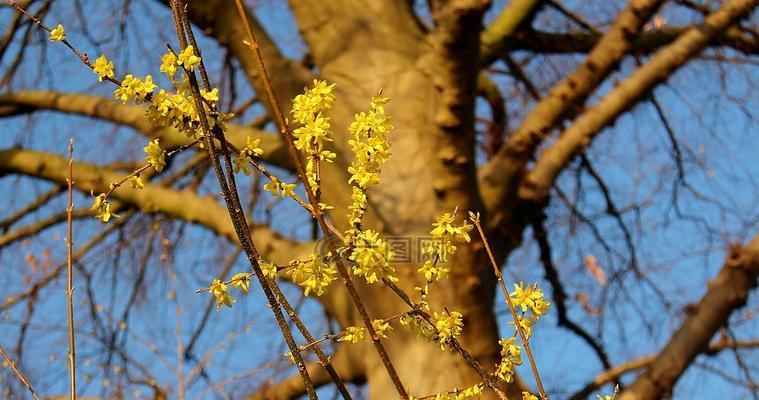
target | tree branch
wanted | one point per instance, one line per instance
(646, 43)
(220, 20)
(587, 126)
(615, 373)
(134, 116)
(727, 292)
(494, 39)
(346, 360)
(180, 204)
(498, 176)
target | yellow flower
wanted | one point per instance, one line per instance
(269, 269)
(219, 290)
(155, 155)
(212, 96)
(314, 275)
(369, 144)
(188, 59)
(242, 281)
(473, 392)
(444, 226)
(433, 272)
(102, 208)
(511, 356)
(353, 334)
(449, 326)
(57, 33)
(242, 161)
(530, 298)
(381, 327)
(103, 68)
(277, 188)
(372, 257)
(136, 182)
(528, 396)
(169, 64)
(133, 88)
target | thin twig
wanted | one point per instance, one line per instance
(231, 197)
(70, 278)
(476, 221)
(287, 135)
(19, 374)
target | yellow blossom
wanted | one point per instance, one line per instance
(219, 290)
(372, 257)
(102, 208)
(511, 356)
(381, 327)
(188, 59)
(473, 392)
(277, 188)
(242, 281)
(242, 161)
(369, 143)
(269, 269)
(433, 272)
(528, 396)
(212, 96)
(133, 88)
(57, 33)
(444, 226)
(169, 64)
(136, 182)
(353, 334)
(103, 68)
(155, 155)
(449, 326)
(308, 110)
(530, 297)
(313, 275)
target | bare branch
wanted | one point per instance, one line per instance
(727, 292)
(134, 116)
(587, 126)
(514, 16)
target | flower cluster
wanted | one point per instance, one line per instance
(242, 161)
(529, 396)
(57, 34)
(381, 327)
(277, 188)
(313, 275)
(179, 109)
(531, 299)
(369, 144)
(353, 334)
(188, 59)
(220, 290)
(102, 208)
(308, 110)
(511, 356)
(133, 88)
(472, 392)
(103, 68)
(436, 252)
(269, 269)
(155, 155)
(372, 258)
(371, 149)
(449, 325)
